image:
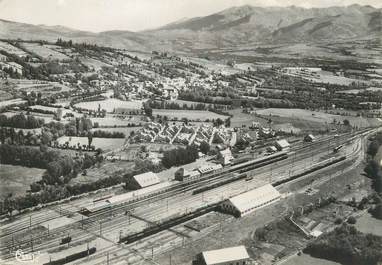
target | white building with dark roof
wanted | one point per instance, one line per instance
(225, 156)
(225, 256)
(250, 201)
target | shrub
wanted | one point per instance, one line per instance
(338, 221)
(351, 220)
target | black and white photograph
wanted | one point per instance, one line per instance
(191, 132)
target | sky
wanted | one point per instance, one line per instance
(135, 15)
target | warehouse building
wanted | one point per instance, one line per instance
(142, 180)
(250, 201)
(226, 256)
(282, 145)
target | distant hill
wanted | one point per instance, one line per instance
(118, 39)
(230, 28)
(248, 24)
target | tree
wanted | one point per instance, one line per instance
(46, 138)
(346, 122)
(204, 147)
(351, 220)
(90, 138)
(376, 211)
(218, 122)
(148, 111)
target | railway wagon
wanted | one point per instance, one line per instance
(220, 183)
(261, 161)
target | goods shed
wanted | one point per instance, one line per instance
(282, 145)
(250, 201)
(224, 256)
(142, 180)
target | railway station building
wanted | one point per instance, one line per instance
(142, 180)
(205, 169)
(226, 256)
(183, 174)
(251, 201)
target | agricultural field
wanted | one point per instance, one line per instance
(105, 170)
(324, 77)
(45, 88)
(5, 46)
(307, 259)
(52, 109)
(16, 179)
(356, 91)
(103, 143)
(110, 104)
(284, 124)
(16, 101)
(112, 122)
(93, 63)
(319, 117)
(214, 66)
(189, 114)
(368, 224)
(45, 52)
(4, 95)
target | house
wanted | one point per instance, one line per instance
(309, 138)
(3, 58)
(170, 93)
(225, 157)
(227, 256)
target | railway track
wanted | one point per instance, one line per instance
(181, 188)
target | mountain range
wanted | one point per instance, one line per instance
(233, 27)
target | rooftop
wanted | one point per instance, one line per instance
(254, 197)
(147, 179)
(225, 255)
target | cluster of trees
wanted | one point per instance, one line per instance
(348, 246)
(200, 95)
(60, 169)
(179, 156)
(50, 193)
(154, 104)
(374, 172)
(12, 73)
(10, 136)
(373, 169)
(78, 126)
(21, 121)
(81, 47)
(43, 71)
(26, 156)
(107, 134)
